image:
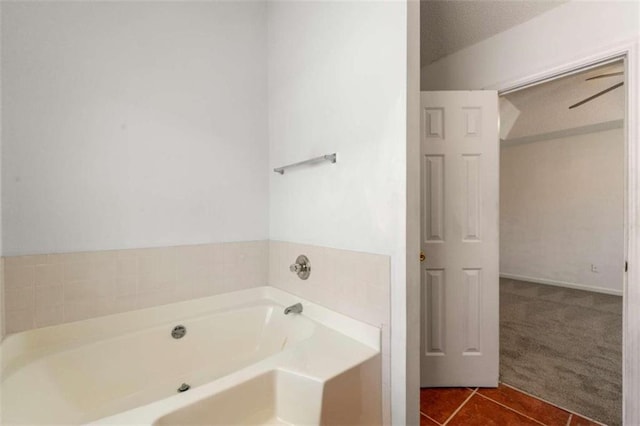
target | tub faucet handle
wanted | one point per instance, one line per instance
(302, 267)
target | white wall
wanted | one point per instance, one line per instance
(338, 83)
(133, 124)
(561, 210)
(572, 31)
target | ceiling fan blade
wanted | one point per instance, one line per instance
(612, 74)
(590, 98)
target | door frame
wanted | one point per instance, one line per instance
(627, 50)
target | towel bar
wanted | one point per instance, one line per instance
(329, 157)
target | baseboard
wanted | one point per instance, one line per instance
(561, 284)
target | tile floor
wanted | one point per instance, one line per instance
(504, 406)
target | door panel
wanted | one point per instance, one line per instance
(460, 154)
(434, 196)
(433, 302)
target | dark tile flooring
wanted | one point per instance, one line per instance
(503, 406)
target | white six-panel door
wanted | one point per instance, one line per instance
(460, 193)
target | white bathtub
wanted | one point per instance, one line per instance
(246, 363)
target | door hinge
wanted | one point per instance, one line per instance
(626, 266)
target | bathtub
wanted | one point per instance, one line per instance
(242, 360)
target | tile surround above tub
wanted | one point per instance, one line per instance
(2, 322)
(352, 283)
(44, 290)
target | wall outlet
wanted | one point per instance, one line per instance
(594, 268)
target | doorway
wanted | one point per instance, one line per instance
(523, 141)
(562, 245)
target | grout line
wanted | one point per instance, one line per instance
(460, 407)
(433, 420)
(569, 419)
(573, 413)
(511, 409)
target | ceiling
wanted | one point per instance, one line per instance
(451, 25)
(544, 109)
(447, 26)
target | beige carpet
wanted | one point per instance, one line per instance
(564, 346)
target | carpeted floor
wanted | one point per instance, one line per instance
(564, 346)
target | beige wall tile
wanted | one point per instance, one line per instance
(166, 268)
(76, 271)
(19, 261)
(19, 320)
(2, 308)
(77, 310)
(122, 303)
(126, 285)
(218, 279)
(86, 291)
(147, 283)
(49, 315)
(202, 287)
(17, 276)
(19, 298)
(48, 274)
(90, 270)
(147, 264)
(127, 265)
(162, 297)
(189, 258)
(275, 248)
(49, 295)
(58, 258)
(243, 252)
(157, 265)
(217, 254)
(63, 287)
(353, 283)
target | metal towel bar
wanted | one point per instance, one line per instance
(329, 157)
